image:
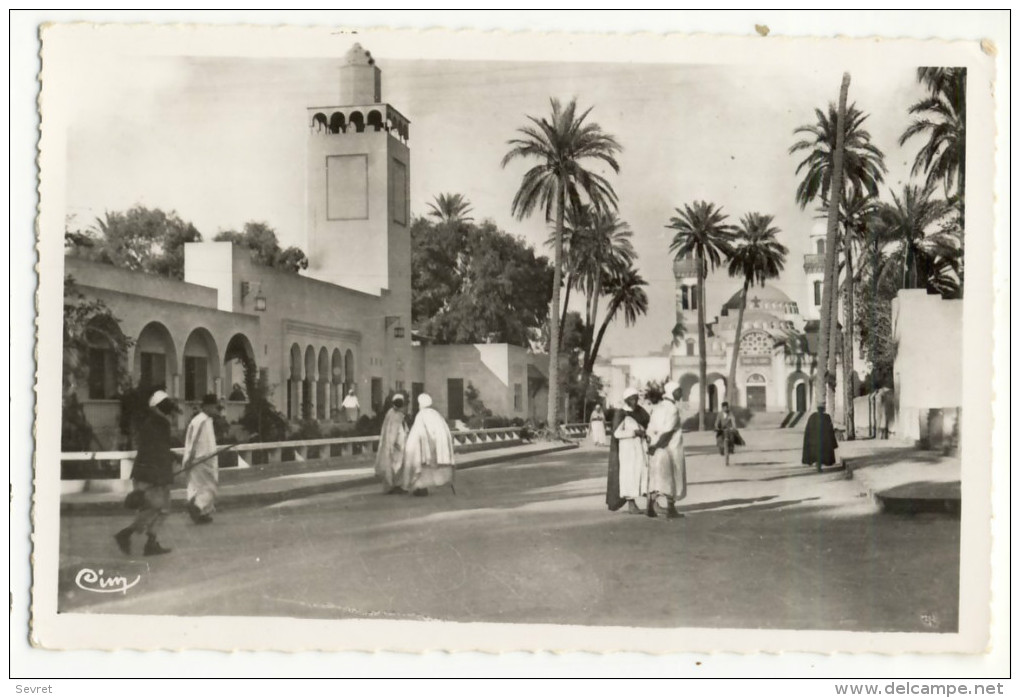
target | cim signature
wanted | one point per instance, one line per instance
(92, 580)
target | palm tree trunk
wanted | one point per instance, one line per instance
(566, 302)
(589, 357)
(554, 315)
(731, 385)
(610, 312)
(848, 342)
(830, 239)
(830, 392)
(702, 357)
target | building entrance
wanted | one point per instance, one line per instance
(756, 398)
(801, 397)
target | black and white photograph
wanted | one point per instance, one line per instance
(477, 341)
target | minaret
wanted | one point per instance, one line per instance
(358, 184)
(814, 272)
(685, 271)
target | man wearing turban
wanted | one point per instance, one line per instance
(392, 439)
(428, 456)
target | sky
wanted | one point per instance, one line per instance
(221, 141)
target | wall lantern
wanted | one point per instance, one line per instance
(398, 330)
(260, 301)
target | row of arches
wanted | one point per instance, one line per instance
(757, 390)
(318, 379)
(187, 374)
(356, 121)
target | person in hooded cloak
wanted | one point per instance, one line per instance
(428, 456)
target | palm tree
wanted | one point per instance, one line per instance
(863, 169)
(606, 251)
(561, 143)
(626, 294)
(450, 208)
(916, 249)
(757, 257)
(702, 234)
(576, 225)
(942, 117)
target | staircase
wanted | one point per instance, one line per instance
(773, 420)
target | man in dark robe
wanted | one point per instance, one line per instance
(613, 499)
(819, 440)
(153, 474)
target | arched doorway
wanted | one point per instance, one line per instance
(294, 383)
(336, 382)
(155, 358)
(322, 386)
(239, 370)
(349, 378)
(755, 392)
(801, 397)
(308, 386)
(201, 365)
(688, 387)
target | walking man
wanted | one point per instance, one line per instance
(201, 462)
(152, 473)
(428, 458)
(726, 434)
(819, 440)
(389, 460)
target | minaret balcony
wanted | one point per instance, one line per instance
(814, 262)
(358, 119)
(685, 267)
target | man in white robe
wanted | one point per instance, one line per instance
(201, 462)
(667, 471)
(428, 455)
(389, 460)
(351, 407)
(633, 460)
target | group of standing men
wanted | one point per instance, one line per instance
(410, 460)
(153, 472)
(646, 453)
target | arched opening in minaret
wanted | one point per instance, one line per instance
(319, 122)
(375, 120)
(336, 123)
(357, 120)
(820, 246)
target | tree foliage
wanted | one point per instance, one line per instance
(703, 235)
(475, 284)
(139, 239)
(450, 208)
(261, 239)
(563, 144)
(941, 118)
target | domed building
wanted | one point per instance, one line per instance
(776, 356)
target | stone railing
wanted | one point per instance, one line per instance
(577, 430)
(118, 464)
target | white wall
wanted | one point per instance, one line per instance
(928, 369)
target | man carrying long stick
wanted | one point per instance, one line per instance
(202, 467)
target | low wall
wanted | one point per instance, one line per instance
(111, 470)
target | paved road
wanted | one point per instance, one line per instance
(765, 544)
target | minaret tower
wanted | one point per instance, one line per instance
(685, 271)
(814, 272)
(358, 185)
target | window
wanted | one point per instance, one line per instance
(684, 302)
(195, 382)
(518, 397)
(100, 374)
(694, 297)
(818, 293)
(690, 347)
(820, 246)
(153, 369)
